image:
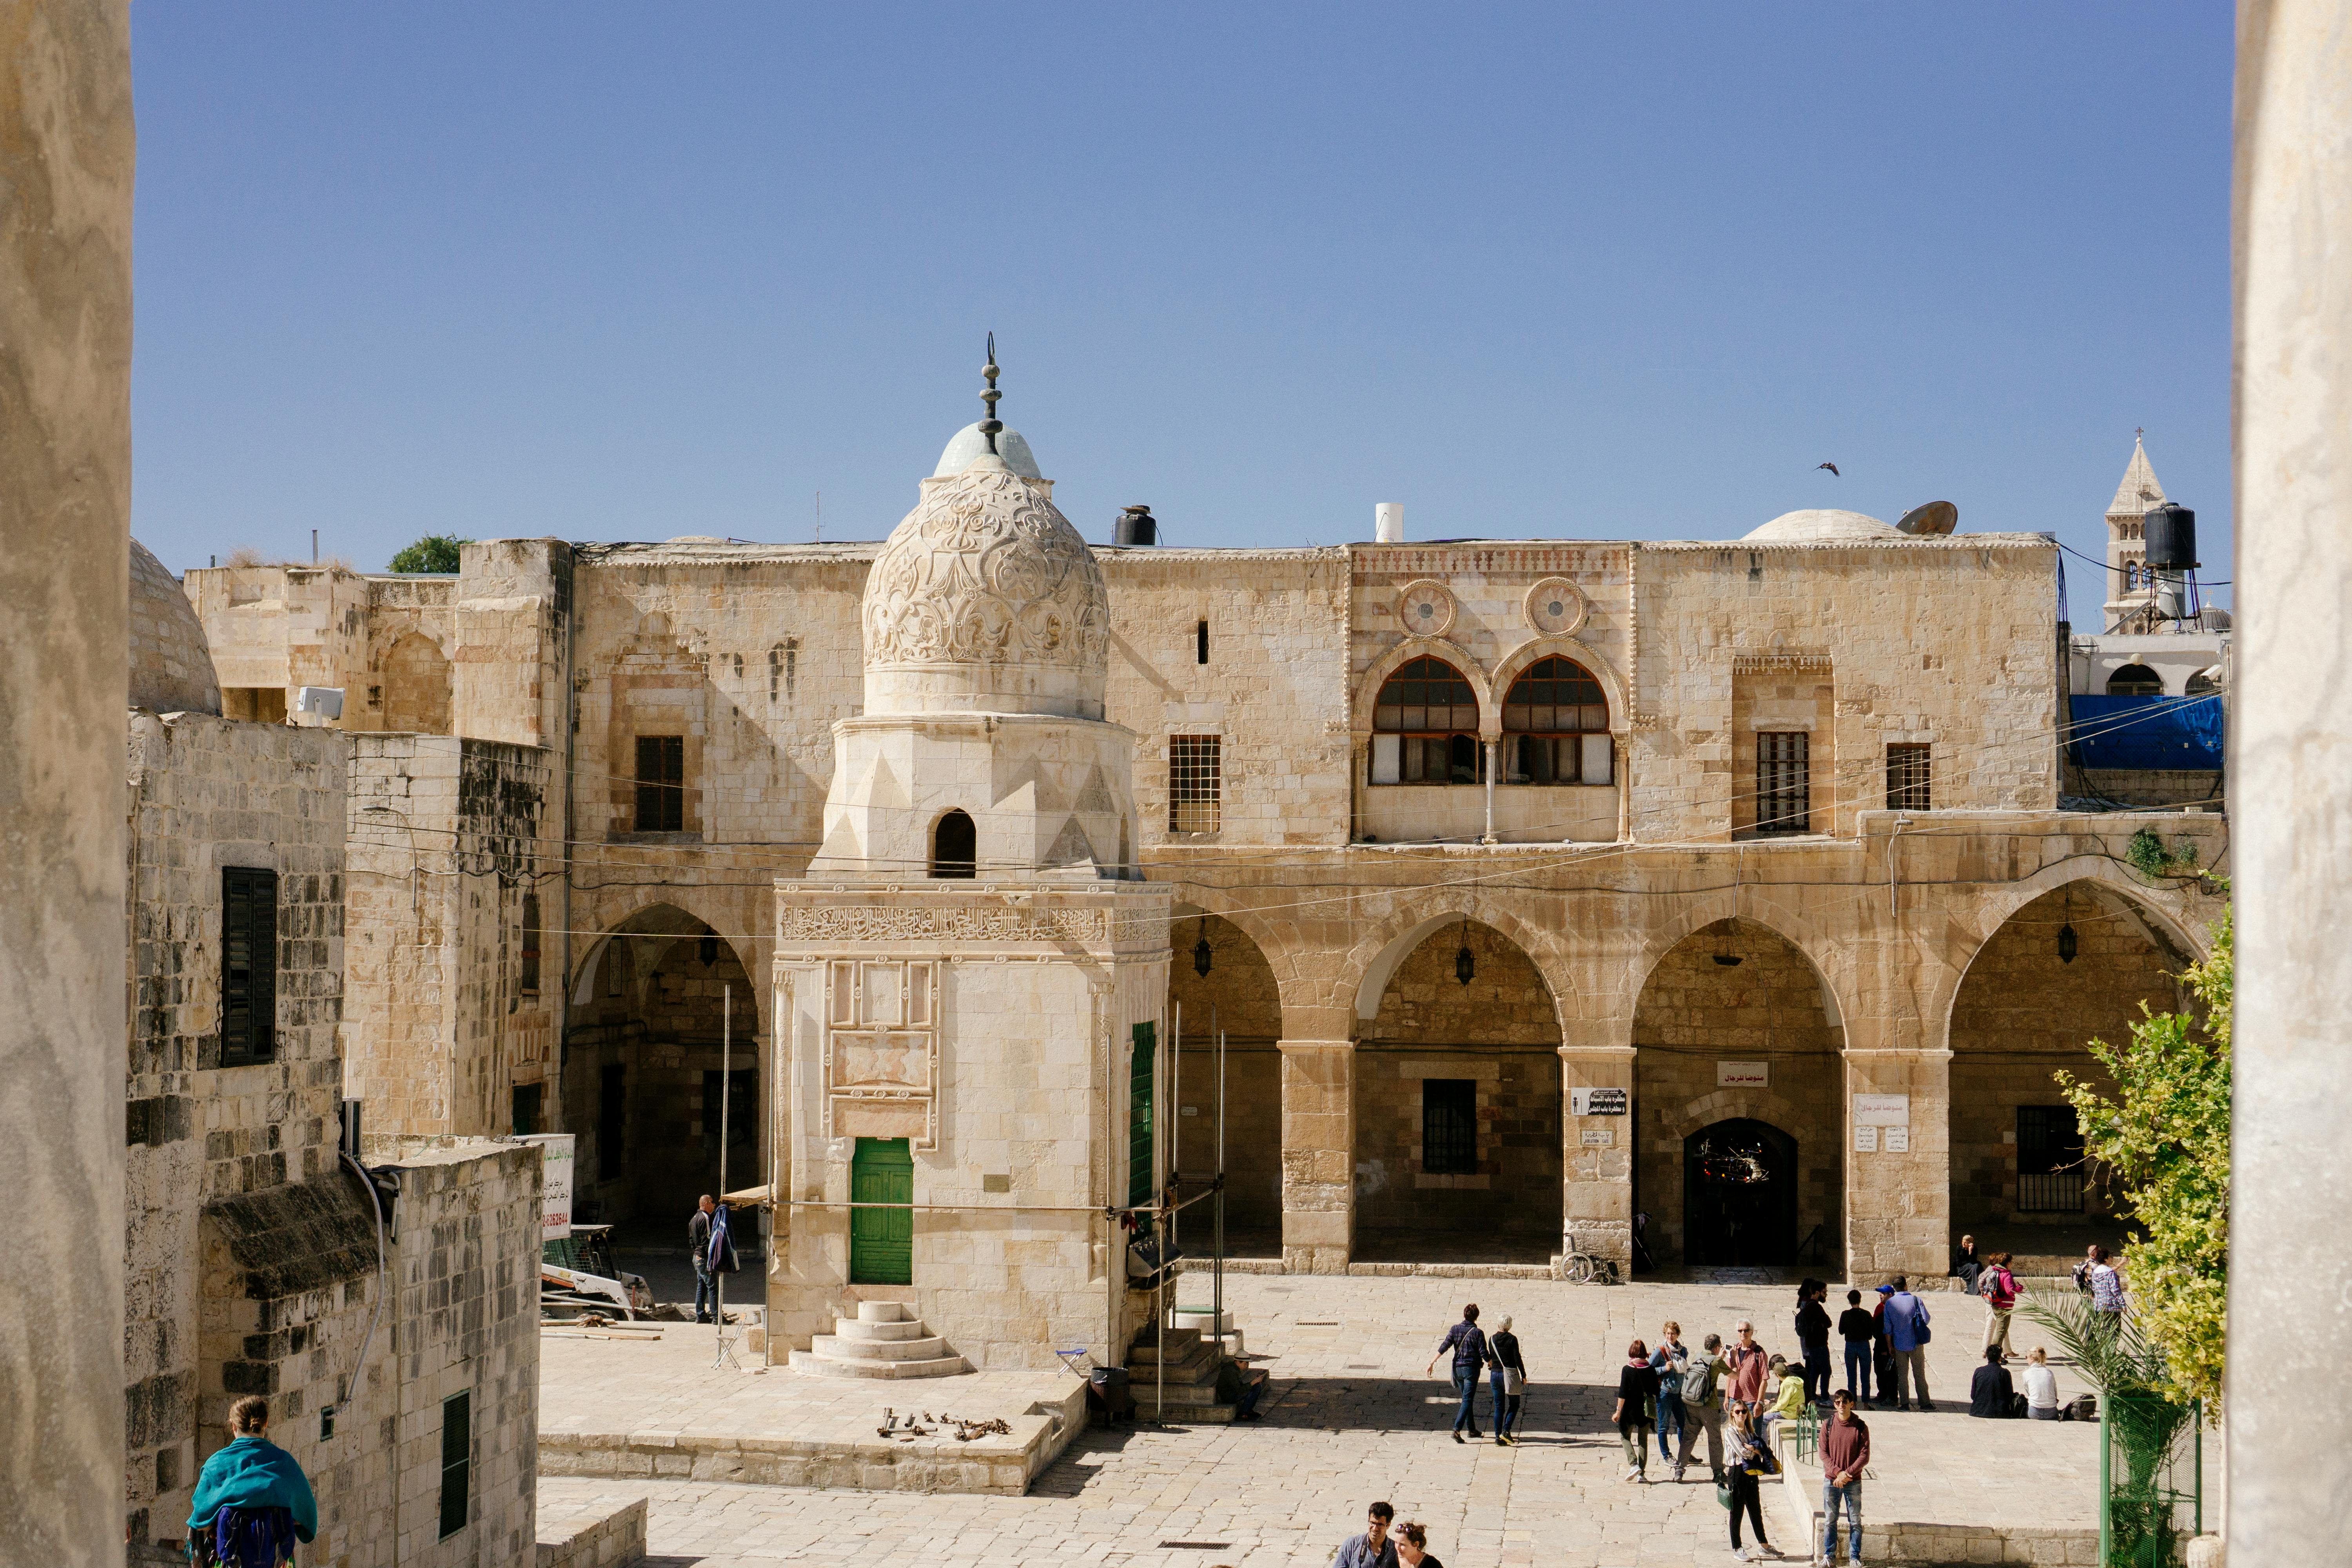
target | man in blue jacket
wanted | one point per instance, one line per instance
(261, 1489)
(1907, 1331)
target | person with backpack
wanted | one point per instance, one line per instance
(1999, 1288)
(1908, 1331)
(253, 1501)
(1702, 1399)
(1813, 1338)
(1670, 1359)
(1845, 1453)
(1859, 1330)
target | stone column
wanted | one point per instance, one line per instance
(1318, 1155)
(1597, 1178)
(66, 154)
(1494, 758)
(1899, 1200)
(2290, 1446)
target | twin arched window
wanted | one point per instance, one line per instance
(1555, 727)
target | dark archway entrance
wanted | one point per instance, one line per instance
(1740, 1194)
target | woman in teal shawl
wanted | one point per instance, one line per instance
(253, 1474)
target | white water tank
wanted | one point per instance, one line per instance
(1388, 522)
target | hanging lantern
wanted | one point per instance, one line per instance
(2066, 944)
(1465, 963)
(709, 949)
(1203, 953)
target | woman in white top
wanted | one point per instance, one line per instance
(2040, 1386)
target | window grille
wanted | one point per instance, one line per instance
(661, 784)
(1783, 782)
(2135, 680)
(1907, 778)
(1195, 783)
(529, 984)
(2049, 1160)
(1427, 717)
(456, 1460)
(248, 965)
(1449, 1126)
(1555, 727)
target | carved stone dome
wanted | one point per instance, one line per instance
(985, 600)
(171, 662)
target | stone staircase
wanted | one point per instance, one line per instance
(1190, 1390)
(885, 1340)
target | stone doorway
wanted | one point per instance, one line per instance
(1740, 1194)
(1220, 980)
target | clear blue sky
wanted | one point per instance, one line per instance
(612, 273)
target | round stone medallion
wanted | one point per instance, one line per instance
(1555, 607)
(1425, 609)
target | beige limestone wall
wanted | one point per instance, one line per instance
(66, 160)
(276, 629)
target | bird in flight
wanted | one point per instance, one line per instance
(1831, 466)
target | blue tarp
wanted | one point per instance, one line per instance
(2147, 731)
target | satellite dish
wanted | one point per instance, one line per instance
(1933, 520)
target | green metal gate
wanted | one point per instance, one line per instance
(882, 1240)
(1139, 1117)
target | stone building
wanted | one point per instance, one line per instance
(401, 1365)
(1533, 884)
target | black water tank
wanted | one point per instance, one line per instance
(1136, 526)
(2172, 535)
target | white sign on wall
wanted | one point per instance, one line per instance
(1897, 1141)
(1865, 1140)
(1743, 1075)
(1599, 1137)
(555, 1197)
(1597, 1101)
(1882, 1110)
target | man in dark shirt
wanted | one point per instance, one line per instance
(1373, 1548)
(1468, 1343)
(1991, 1392)
(698, 1244)
(1857, 1327)
(1845, 1450)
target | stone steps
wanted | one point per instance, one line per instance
(1186, 1387)
(884, 1341)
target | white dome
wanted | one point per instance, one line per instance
(985, 600)
(171, 663)
(1825, 527)
(968, 445)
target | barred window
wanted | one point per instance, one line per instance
(1195, 783)
(529, 984)
(1555, 727)
(1449, 1126)
(661, 784)
(1426, 727)
(1907, 778)
(1783, 782)
(2049, 1160)
(248, 1025)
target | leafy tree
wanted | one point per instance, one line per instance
(434, 552)
(2164, 1135)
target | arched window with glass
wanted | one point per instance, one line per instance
(1555, 727)
(1425, 727)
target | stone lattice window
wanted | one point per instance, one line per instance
(1555, 727)
(1783, 782)
(661, 784)
(248, 965)
(1449, 1127)
(1195, 783)
(1907, 777)
(456, 1460)
(1425, 727)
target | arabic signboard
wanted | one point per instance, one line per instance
(1598, 1101)
(1743, 1075)
(555, 1206)
(1882, 1110)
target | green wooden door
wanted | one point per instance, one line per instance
(1139, 1117)
(882, 1241)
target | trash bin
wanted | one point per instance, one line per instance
(1107, 1389)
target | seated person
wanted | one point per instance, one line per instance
(1991, 1390)
(1788, 1384)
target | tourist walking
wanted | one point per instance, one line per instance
(1637, 1403)
(1412, 1545)
(1845, 1453)
(1883, 1350)
(252, 1501)
(1468, 1343)
(1748, 1364)
(2040, 1386)
(1670, 1359)
(1371, 1548)
(1990, 1393)
(1813, 1338)
(1751, 1461)
(1859, 1330)
(1508, 1374)
(1702, 1398)
(1906, 1329)
(1999, 1288)
(2107, 1292)
(1966, 1263)
(698, 1246)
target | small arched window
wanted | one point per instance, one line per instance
(955, 848)
(2131, 576)
(2135, 680)
(1555, 727)
(2203, 683)
(1425, 727)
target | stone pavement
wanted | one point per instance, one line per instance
(1353, 1416)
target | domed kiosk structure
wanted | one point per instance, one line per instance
(969, 980)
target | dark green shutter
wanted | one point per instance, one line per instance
(882, 1240)
(1139, 1117)
(456, 1460)
(248, 964)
